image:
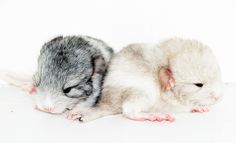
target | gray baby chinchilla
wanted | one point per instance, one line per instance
(70, 73)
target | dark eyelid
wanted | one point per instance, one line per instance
(68, 88)
(85, 79)
(199, 84)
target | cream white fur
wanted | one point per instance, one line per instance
(132, 84)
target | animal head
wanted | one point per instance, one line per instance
(193, 74)
(66, 67)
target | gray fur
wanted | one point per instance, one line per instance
(71, 62)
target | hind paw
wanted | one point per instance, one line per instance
(153, 117)
(200, 109)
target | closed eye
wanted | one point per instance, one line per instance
(67, 90)
(198, 84)
(74, 93)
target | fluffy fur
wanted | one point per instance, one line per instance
(144, 82)
(70, 73)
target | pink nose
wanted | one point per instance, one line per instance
(214, 96)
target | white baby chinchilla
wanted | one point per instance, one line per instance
(148, 82)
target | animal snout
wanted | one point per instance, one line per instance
(214, 96)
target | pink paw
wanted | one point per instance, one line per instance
(160, 118)
(153, 118)
(200, 110)
(73, 116)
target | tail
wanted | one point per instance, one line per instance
(22, 81)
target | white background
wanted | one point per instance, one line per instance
(26, 24)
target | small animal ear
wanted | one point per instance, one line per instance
(99, 65)
(166, 78)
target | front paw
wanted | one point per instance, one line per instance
(74, 116)
(83, 118)
(200, 109)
